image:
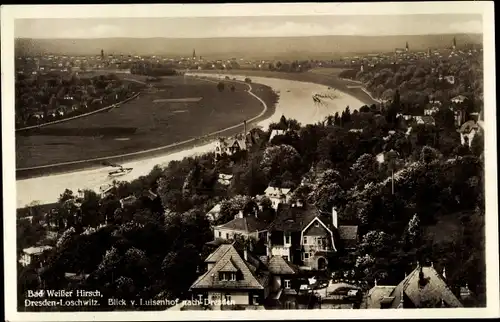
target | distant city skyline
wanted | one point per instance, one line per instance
(263, 26)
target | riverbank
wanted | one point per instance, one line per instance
(104, 109)
(267, 104)
(330, 80)
(295, 102)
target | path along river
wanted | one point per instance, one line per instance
(295, 102)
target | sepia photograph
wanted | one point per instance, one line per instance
(210, 160)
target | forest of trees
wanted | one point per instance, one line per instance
(155, 246)
(45, 98)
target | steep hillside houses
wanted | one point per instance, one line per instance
(424, 287)
(305, 236)
(247, 226)
(233, 280)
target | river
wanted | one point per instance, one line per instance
(295, 102)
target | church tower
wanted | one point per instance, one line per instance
(407, 47)
(454, 43)
(194, 54)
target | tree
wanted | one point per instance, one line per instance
(429, 154)
(233, 88)
(477, 144)
(221, 86)
(278, 159)
(365, 168)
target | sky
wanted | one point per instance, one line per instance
(260, 26)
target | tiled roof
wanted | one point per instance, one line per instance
(276, 191)
(215, 209)
(348, 232)
(248, 280)
(229, 266)
(459, 98)
(427, 119)
(468, 126)
(376, 295)
(290, 218)
(275, 133)
(217, 254)
(246, 224)
(36, 250)
(432, 293)
(279, 266)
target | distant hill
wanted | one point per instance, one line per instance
(266, 47)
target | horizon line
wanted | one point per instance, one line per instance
(285, 36)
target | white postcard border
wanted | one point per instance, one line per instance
(9, 13)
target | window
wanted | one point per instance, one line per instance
(316, 224)
(319, 241)
(228, 297)
(220, 234)
(305, 240)
(287, 284)
(306, 256)
(227, 236)
(287, 239)
(225, 276)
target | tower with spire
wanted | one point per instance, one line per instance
(407, 48)
(102, 53)
(454, 43)
(194, 54)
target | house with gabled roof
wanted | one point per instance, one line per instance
(306, 236)
(247, 226)
(458, 99)
(276, 132)
(232, 279)
(424, 287)
(467, 132)
(229, 146)
(425, 119)
(284, 283)
(278, 195)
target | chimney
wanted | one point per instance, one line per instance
(239, 214)
(444, 273)
(244, 128)
(334, 217)
(421, 279)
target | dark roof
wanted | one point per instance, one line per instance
(249, 279)
(377, 295)
(290, 218)
(434, 291)
(427, 119)
(468, 126)
(217, 254)
(246, 224)
(348, 235)
(229, 266)
(279, 266)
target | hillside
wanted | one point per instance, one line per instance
(282, 47)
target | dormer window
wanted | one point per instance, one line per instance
(227, 276)
(287, 284)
